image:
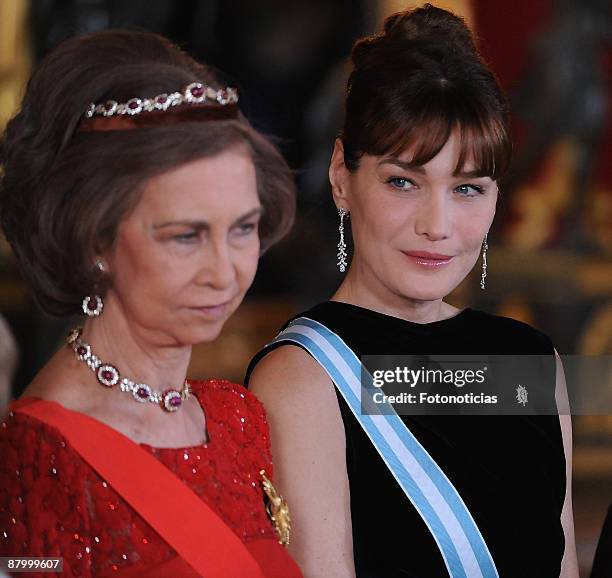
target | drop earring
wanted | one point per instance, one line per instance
(92, 305)
(485, 246)
(342, 212)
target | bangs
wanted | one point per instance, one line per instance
(425, 127)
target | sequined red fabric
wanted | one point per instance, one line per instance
(52, 503)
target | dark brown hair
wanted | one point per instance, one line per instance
(415, 83)
(64, 192)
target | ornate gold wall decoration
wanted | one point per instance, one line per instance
(15, 55)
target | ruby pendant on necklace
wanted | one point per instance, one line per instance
(172, 400)
(108, 375)
(169, 400)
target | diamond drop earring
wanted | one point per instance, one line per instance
(342, 212)
(485, 246)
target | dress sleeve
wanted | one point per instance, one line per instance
(43, 506)
(235, 412)
(261, 439)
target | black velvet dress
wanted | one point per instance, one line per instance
(509, 470)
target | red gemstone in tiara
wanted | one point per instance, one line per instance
(133, 106)
(194, 93)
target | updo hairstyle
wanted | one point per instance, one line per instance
(414, 84)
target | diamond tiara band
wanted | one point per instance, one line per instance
(194, 93)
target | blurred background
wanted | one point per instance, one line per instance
(550, 257)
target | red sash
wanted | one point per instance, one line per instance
(163, 500)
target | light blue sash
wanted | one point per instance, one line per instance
(433, 495)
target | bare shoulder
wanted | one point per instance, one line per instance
(60, 381)
(289, 371)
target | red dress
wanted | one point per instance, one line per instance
(53, 503)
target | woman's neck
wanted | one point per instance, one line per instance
(139, 353)
(139, 356)
(380, 299)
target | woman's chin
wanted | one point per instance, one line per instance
(429, 287)
(425, 297)
(425, 292)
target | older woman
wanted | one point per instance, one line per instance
(133, 190)
(424, 144)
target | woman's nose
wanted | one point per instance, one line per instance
(219, 270)
(433, 219)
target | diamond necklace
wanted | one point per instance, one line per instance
(108, 375)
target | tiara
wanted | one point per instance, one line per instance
(194, 93)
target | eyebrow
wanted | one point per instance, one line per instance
(203, 225)
(409, 166)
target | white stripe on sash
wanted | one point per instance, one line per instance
(461, 544)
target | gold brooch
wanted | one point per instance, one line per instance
(278, 510)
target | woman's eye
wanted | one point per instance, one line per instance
(190, 237)
(469, 190)
(401, 183)
(246, 228)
